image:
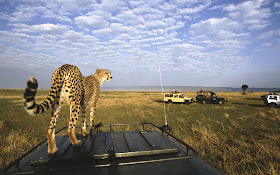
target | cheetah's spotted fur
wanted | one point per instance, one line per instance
(68, 85)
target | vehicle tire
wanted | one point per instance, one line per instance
(169, 101)
(272, 105)
(203, 102)
(187, 102)
(221, 102)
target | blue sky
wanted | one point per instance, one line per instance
(199, 42)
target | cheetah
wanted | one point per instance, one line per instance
(68, 85)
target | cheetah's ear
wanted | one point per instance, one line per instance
(97, 70)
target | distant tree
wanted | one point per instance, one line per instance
(244, 87)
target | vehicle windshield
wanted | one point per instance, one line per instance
(183, 95)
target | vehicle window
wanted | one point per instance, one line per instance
(175, 96)
(273, 97)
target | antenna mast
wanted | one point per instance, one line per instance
(165, 117)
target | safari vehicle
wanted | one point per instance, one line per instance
(272, 100)
(141, 151)
(177, 97)
(209, 97)
(270, 93)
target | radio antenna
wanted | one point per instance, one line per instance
(160, 76)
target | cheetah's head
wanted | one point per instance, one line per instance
(104, 75)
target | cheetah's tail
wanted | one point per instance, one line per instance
(29, 102)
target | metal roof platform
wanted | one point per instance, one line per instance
(123, 152)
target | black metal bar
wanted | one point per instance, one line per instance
(180, 141)
(17, 161)
(122, 124)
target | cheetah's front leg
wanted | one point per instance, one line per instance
(92, 113)
(84, 130)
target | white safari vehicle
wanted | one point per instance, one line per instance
(177, 97)
(272, 100)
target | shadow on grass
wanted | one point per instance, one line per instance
(158, 101)
(258, 99)
(253, 105)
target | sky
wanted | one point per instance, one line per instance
(215, 43)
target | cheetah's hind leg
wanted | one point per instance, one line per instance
(51, 132)
(74, 113)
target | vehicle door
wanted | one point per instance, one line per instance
(175, 98)
(272, 99)
(167, 97)
(214, 96)
(278, 101)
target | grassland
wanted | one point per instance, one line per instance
(240, 137)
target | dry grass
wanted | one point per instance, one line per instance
(14, 144)
(240, 137)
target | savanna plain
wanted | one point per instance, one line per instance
(241, 136)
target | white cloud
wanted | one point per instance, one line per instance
(166, 6)
(112, 6)
(267, 44)
(70, 6)
(155, 24)
(148, 13)
(195, 9)
(74, 36)
(128, 17)
(119, 28)
(250, 13)
(277, 4)
(102, 32)
(23, 13)
(47, 28)
(91, 22)
(214, 26)
(219, 33)
(269, 34)
(186, 2)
